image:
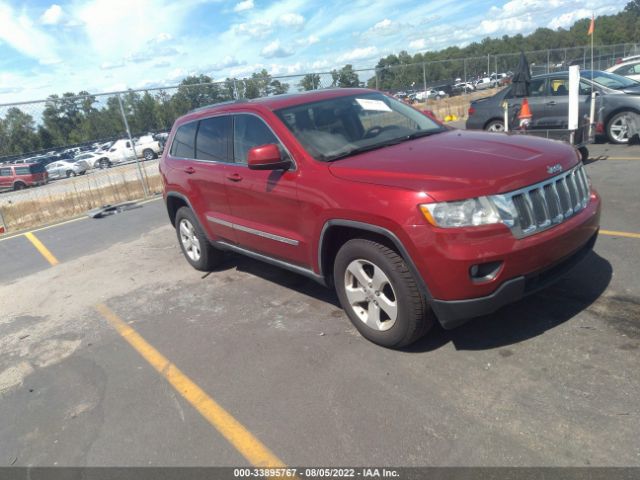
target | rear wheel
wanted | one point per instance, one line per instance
(71, 173)
(19, 186)
(194, 243)
(379, 294)
(495, 126)
(104, 163)
(149, 154)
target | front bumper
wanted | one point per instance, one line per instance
(452, 313)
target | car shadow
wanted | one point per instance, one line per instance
(531, 316)
(528, 318)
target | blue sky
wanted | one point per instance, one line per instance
(106, 45)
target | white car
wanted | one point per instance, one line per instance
(437, 94)
(484, 83)
(65, 169)
(92, 159)
(629, 69)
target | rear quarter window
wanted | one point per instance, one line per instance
(37, 168)
(183, 145)
(5, 172)
(22, 171)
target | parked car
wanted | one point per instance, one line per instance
(122, 151)
(431, 93)
(549, 103)
(462, 87)
(484, 83)
(17, 177)
(410, 221)
(92, 159)
(65, 169)
(630, 69)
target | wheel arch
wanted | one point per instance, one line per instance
(336, 233)
(618, 110)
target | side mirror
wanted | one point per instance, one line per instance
(267, 157)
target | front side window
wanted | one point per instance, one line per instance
(344, 126)
(250, 131)
(212, 140)
(183, 145)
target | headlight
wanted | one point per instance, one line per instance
(465, 213)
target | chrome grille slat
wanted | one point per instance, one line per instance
(539, 207)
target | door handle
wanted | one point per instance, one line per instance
(234, 177)
(552, 102)
(190, 170)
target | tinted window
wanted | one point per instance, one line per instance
(249, 131)
(184, 142)
(212, 141)
(22, 171)
(38, 168)
(5, 172)
(536, 87)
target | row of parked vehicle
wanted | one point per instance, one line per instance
(34, 171)
(459, 87)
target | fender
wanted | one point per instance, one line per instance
(424, 289)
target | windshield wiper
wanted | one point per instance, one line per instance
(375, 146)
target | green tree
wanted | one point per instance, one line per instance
(310, 81)
(18, 133)
(345, 77)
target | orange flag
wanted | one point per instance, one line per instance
(592, 26)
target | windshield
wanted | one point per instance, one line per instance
(340, 127)
(610, 80)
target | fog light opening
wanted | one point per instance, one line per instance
(484, 272)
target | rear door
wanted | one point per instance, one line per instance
(6, 177)
(197, 160)
(264, 203)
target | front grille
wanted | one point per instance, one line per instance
(543, 205)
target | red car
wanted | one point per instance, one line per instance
(408, 220)
(23, 175)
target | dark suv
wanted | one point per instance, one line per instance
(19, 176)
(409, 220)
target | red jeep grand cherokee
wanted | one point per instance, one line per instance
(409, 220)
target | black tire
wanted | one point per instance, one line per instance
(494, 126)
(149, 154)
(584, 154)
(104, 163)
(209, 256)
(414, 317)
(19, 186)
(615, 137)
(71, 173)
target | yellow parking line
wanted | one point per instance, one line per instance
(236, 434)
(44, 251)
(617, 158)
(614, 233)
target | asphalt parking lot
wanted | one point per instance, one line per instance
(115, 352)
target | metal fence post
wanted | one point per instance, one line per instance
(548, 60)
(424, 76)
(464, 70)
(133, 146)
(377, 80)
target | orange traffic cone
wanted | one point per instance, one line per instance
(525, 114)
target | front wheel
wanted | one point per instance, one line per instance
(495, 126)
(618, 128)
(104, 163)
(194, 244)
(379, 294)
(71, 173)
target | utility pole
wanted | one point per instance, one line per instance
(133, 146)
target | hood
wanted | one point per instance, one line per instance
(635, 90)
(459, 164)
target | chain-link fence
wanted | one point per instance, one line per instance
(59, 129)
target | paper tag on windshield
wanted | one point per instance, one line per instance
(373, 105)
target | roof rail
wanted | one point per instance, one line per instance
(228, 102)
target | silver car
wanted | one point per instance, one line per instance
(65, 169)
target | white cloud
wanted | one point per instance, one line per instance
(20, 33)
(307, 41)
(276, 50)
(418, 44)
(52, 15)
(358, 54)
(386, 23)
(256, 29)
(243, 6)
(506, 25)
(291, 20)
(227, 62)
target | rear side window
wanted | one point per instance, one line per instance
(22, 171)
(249, 131)
(184, 141)
(212, 140)
(37, 168)
(5, 172)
